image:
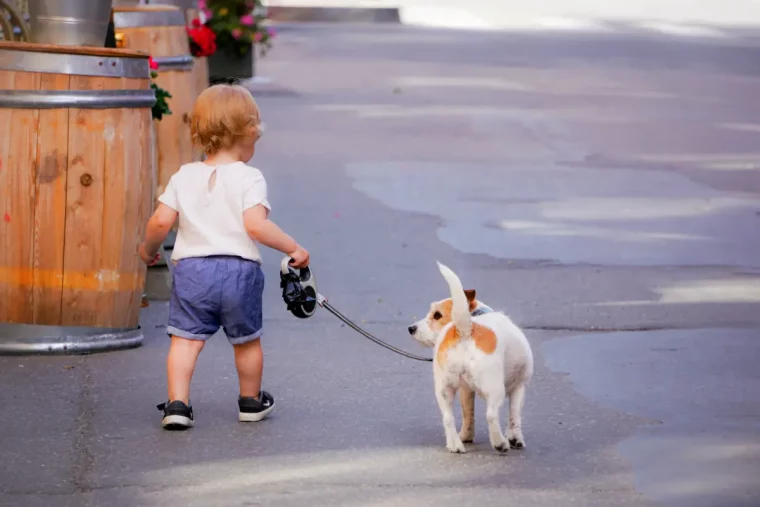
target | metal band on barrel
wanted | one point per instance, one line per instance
(80, 99)
(146, 18)
(75, 65)
(183, 62)
(182, 4)
(24, 339)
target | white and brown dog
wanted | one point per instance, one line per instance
(478, 351)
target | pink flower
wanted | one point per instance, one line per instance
(152, 63)
(201, 4)
(247, 20)
(258, 36)
(237, 32)
(271, 31)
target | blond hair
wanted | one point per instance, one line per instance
(223, 116)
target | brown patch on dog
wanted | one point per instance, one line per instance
(484, 338)
(444, 308)
(450, 339)
(470, 293)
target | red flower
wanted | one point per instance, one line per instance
(153, 65)
(202, 40)
(196, 22)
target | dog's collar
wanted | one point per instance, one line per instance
(480, 311)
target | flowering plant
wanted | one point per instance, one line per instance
(161, 107)
(202, 39)
(238, 24)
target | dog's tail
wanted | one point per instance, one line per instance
(460, 309)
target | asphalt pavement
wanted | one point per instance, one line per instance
(602, 189)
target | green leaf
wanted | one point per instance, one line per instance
(161, 107)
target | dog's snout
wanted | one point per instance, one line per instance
(412, 329)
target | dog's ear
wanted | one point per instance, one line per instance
(470, 294)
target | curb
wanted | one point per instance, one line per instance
(288, 14)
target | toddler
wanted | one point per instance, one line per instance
(223, 214)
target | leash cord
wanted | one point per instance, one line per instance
(322, 301)
(327, 306)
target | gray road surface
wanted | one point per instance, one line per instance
(673, 16)
(601, 190)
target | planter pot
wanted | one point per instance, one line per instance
(70, 22)
(223, 66)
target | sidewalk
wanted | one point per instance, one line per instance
(605, 197)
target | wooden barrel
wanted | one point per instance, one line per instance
(200, 73)
(75, 195)
(160, 30)
(200, 68)
(188, 7)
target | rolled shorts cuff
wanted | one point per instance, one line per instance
(173, 331)
(239, 340)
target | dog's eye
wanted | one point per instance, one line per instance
(437, 315)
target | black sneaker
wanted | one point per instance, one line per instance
(177, 415)
(253, 410)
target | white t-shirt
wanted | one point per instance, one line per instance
(211, 221)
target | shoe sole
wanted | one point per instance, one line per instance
(254, 416)
(177, 422)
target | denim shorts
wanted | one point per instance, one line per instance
(213, 292)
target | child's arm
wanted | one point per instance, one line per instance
(158, 228)
(266, 232)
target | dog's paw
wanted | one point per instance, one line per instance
(501, 447)
(516, 439)
(456, 448)
(467, 436)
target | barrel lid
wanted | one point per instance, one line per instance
(72, 50)
(73, 60)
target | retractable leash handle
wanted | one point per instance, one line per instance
(299, 289)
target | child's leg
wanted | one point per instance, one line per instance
(242, 322)
(193, 318)
(254, 404)
(183, 354)
(249, 361)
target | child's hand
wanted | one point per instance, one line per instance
(300, 257)
(147, 258)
